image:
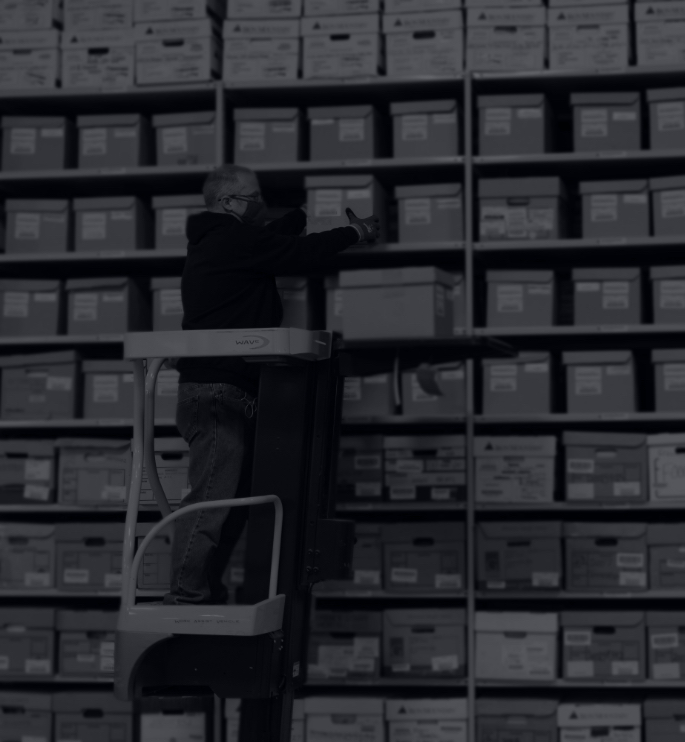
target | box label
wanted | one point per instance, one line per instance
(404, 575)
(105, 389)
(85, 307)
(670, 116)
(417, 211)
(672, 294)
(34, 666)
(170, 302)
(15, 304)
(594, 123)
(174, 222)
(615, 295)
(673, 204)
(94, 141)
(414, 128)
(497, 122)
(174, 140)
(604, 207)
(587, 380)
(23, 141)
(252, 136)
(37, 492)
(509, 297)
(351, 130)
(27, 226)
(94, 225)
(328, 202)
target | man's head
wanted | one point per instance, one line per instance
(232, 189)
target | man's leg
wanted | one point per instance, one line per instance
(212, 419)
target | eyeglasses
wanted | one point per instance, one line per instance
(256, 196)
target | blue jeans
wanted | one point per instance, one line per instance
(218, 423)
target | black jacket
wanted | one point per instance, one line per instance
(229, 281)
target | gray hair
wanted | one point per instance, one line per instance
(224, 180)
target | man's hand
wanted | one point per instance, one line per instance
(369, 228)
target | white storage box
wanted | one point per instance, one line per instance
(261, 50)
(660, 33)
(666, 453)
(98, 59)
(29, 59)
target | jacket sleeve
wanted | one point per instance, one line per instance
(291, 224)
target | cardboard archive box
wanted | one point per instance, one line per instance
(666, 453)
(600, 382)
(438, 719)
(608, 468)
(39, 16)
(518, 386)
(520, 298)
(425, 128)
(93, 472)
(36, 143)
(367, 564)
(37, 225)
(338, 718)
(155, 569)
(519, 555)
(668, 205)
(424, 642)
(98, 59)
(360, 468)
(660, 33)
(112, 141)
(515, 468)
(668, 294)
(298, 298)
(604, 122)
(514, 125)
(328, 196)
(89, 561)
(506, 39)
(666, 118)
(85, 643)
(169, 52)
(669, 380)
(171, 216)
(663, 719)
(345, 645)
(430, 213)
(607, 296)
(369, 396)
(25, 715)
(261, 50)
(146, 11)
(247, 9)
(397, 303)
(344, 133)
(172, 461)
(29, 59)
(112, 223)
(85, 15)
(41, 386)
(597, 37)
(666, 542)
(425, 468)
(603, 645)
(27, 472)
(107, 390)
(166, 394)
(27, 642)
(424, 557)
(103, 306)
(521, 209)
(162, 716)
(92, 716)
(167, 306)
(422, 44)
(516, 719)
(267, 135)
(434, 391)
(185, 138)
(516, 646)
(343, 46)
(606, 557)
(615, 209)
(599, 722)
(30, 307)
(27, 556)
(666, 642)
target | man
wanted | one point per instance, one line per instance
(229, 282)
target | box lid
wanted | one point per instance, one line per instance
(423, 21)
(526, 530)
(86, 620)
(183, 119)
(516, 707)
(340, 24)
(666, 439)
(181, 29)
(614, 186)
(111, 532)
(409, 709)
(35, 39)
(264, 28)
(605, 530)
(339, 112)
(356, 706)
(671, 183)
(111, 202)
(667, 618)
(30, 286)
(605, 99)
(338, 181)
(505, 16)
(521, 359)
(28, 448)
(423, 533)
(170, 282)
(107, 367)
(668, 355)
(36, 204)
(110, 119)
(519, 276)
(516, 622)
(192, 200)
(82, 702)
(88, 284)
(579, 715)
(515, 445)
(662, 94)
(664, 708)
(667, 271)
(92, 443)
(265, 114)
(598, 357)
(100, 39)
(423, 442)
(27, 702)
(671, 534)
(531, 100)
(422, 191)
(40, 359)
(29, 530)
(46, 122)
(31, 618)
(588, 15)
(423, 106)
(433, 617)
(602, 618)
(606, 274)
(520, 187)
(601, 440)
(346, 622)
(395, 277)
